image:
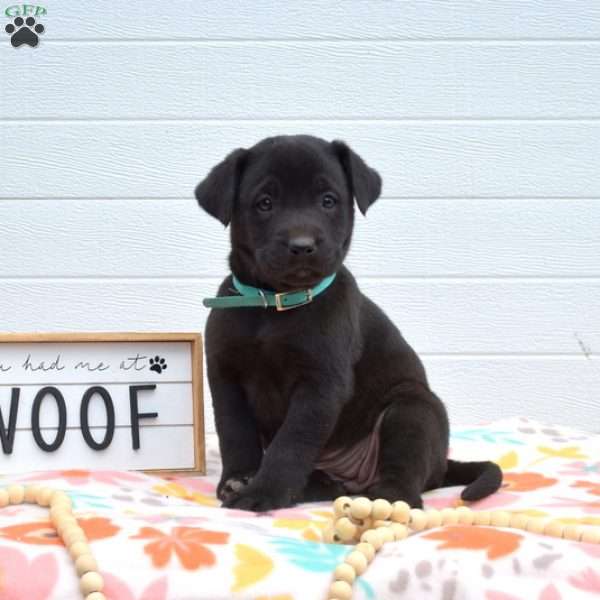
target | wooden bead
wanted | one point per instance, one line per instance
(372, 537)
(366, 549)
(74, 538)
(449, 516)
(465, 515)
(400, 512)
(500, 518)
(60, 508)
(43, 495)
(434, 518)
(72, 529)
(59, 498)
(30, 493)
(4, 500)
(380, 523)
(341, 590)
(363, 525)
(417, 520)
(345, 572)
(345, 529)
(381, 510)
(482, 517)
(77, 549)
(573, 532)
(72, 535)
(358, 561)
(386, 534)
(86, 563)
(341, 506)
(361, 508)
(65, 523)
(16, 494)
(399, 531)
(518, 521)
(58, 513)
(91, 582)
(554, 529)
(536, 525)
(591, 535)
(62, 522)
(95, 596)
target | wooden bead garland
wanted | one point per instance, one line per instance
(74, 538)
(374, 523)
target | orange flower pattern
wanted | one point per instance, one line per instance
(496, 543)
(188, 544)
(526, 482)
(43, 533)
(592, 487)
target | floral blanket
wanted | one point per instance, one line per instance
(167, 539)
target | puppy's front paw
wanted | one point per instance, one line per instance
(231, 487)
(259, 499)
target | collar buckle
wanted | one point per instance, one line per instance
(280, 295)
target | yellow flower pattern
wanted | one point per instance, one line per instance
(252, 566)
(311, 529)
(179, 491)
(567, 452)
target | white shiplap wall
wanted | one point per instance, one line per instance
(482, 117)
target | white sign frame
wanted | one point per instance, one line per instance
(52, 375)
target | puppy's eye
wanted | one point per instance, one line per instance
(264, 203)
(328, 201)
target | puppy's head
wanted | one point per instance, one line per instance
(290, 202)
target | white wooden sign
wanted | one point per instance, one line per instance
(101, 401)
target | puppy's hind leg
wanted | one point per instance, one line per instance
(413, 446)
(321, 487)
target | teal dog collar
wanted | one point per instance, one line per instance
(252, 296)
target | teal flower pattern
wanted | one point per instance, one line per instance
(317, 557)
(485, 435)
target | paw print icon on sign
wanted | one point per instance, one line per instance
(24, 31)
(158, 364)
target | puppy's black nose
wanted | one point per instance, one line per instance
(302, 244)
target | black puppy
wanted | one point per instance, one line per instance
(324, 398)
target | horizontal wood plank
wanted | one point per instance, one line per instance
(404, 238)
(287, 80)
(545, 388)
(315, 19)
(437, 316)
(415, 159)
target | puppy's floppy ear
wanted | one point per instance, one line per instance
(364, 182)
(217, 192)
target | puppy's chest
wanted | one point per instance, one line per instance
(269, 375)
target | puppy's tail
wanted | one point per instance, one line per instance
(481, 478)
